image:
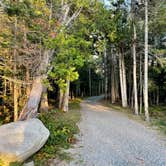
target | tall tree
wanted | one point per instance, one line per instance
(134, 58)
(146, 105)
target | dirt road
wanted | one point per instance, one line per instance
(110, 138)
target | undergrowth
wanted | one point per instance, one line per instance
(62, 127)
(158, 113)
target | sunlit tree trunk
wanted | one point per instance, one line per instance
(15, 99)
(31, 107)
(61, 95)
(146, 105)
(122, 74)
(124, 81)
(141, 86)
(44, 100)
(135, 72)
(65, 106)
(15, 86)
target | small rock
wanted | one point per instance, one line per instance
(31, 163)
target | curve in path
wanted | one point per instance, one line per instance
(109, 138)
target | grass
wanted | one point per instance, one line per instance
(118, 107)
(158, 114)
(74, 104)
(62, 127)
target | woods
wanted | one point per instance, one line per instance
(56, 40)
(53, 51)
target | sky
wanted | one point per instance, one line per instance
(107, 2)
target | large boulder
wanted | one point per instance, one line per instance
(19, 140)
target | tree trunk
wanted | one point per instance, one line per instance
(31, 107)
(4, 94)
(15, 88)
(135, 73)
(90, 83)
(99, 88)
(113, 86)
(106, 74)
(130, 80)
(146, 105)
(65, 106)
(124, 80)
(117, 95)
(121, 80)
(61, 95)
(44, 100)
(157, 96)
(141, 86)
(28, 88)
(15, 99)
(122, 75)
(117, 82)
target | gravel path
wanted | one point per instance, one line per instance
(110, 138)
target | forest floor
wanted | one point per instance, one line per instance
(110, 138)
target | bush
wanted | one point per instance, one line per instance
(62, 127)
(158, 114)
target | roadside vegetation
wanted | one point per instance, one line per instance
(53, 50)
(157, 113)
(62, 127)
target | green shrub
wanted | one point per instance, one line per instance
(158, 114)
(16, 164)
(62, 127)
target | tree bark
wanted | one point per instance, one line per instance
(122, 74)
(61, 95)
(141, 86)
(44, 100)
(117, 82)
(157, 96)
(146, 105)
(90, 83)
(31, 107)
(106, 74)
(15, 88)
(4, 94)
(15, 99)
(28, 88)
(135, 73)
(65, 106)
(113, 86)
(99, 87)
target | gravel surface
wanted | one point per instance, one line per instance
(110, 138)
